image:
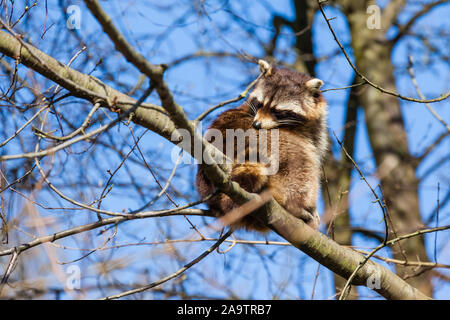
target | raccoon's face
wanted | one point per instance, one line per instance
(286, 98)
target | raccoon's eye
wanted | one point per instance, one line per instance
(277, 114)
(258, 105)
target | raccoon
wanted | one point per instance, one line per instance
(292, 103)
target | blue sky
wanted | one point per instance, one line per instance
(218, 80)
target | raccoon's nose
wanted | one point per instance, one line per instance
(257, 124)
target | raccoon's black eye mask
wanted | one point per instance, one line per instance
(258, 105)
(286, 115)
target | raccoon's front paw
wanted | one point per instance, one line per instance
(250, 176)
(309, 215)
(314, 222)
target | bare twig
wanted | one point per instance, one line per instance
(175, 274)
(11, 265)
(414, 81)
(405, 28)
(382, 245)
(83, 126)
(242, 95)
(395, 94)
(23, 126)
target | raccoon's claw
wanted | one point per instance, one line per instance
(314, 221)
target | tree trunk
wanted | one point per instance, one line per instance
(388, 139)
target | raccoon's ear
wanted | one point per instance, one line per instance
(314, 83)
(265, 67)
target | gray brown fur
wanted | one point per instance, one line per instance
(302, 144)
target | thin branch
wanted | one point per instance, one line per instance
(409, 263)
(414, 81)
(377, 199)
(395, 94)
(11, 266)
(86, 87)
(391, 11)
(23, 126)
(438, 206)
(432, 146)
(242, 95)
(150, 169)
(108, 221)
(175, 274)
(107, 188)
(436, 165)
(17, 180)
(83, 126)
(201, 54)
(405, 28)
(347, 87)
(61, 146)
(166, 186)
(382, 245)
